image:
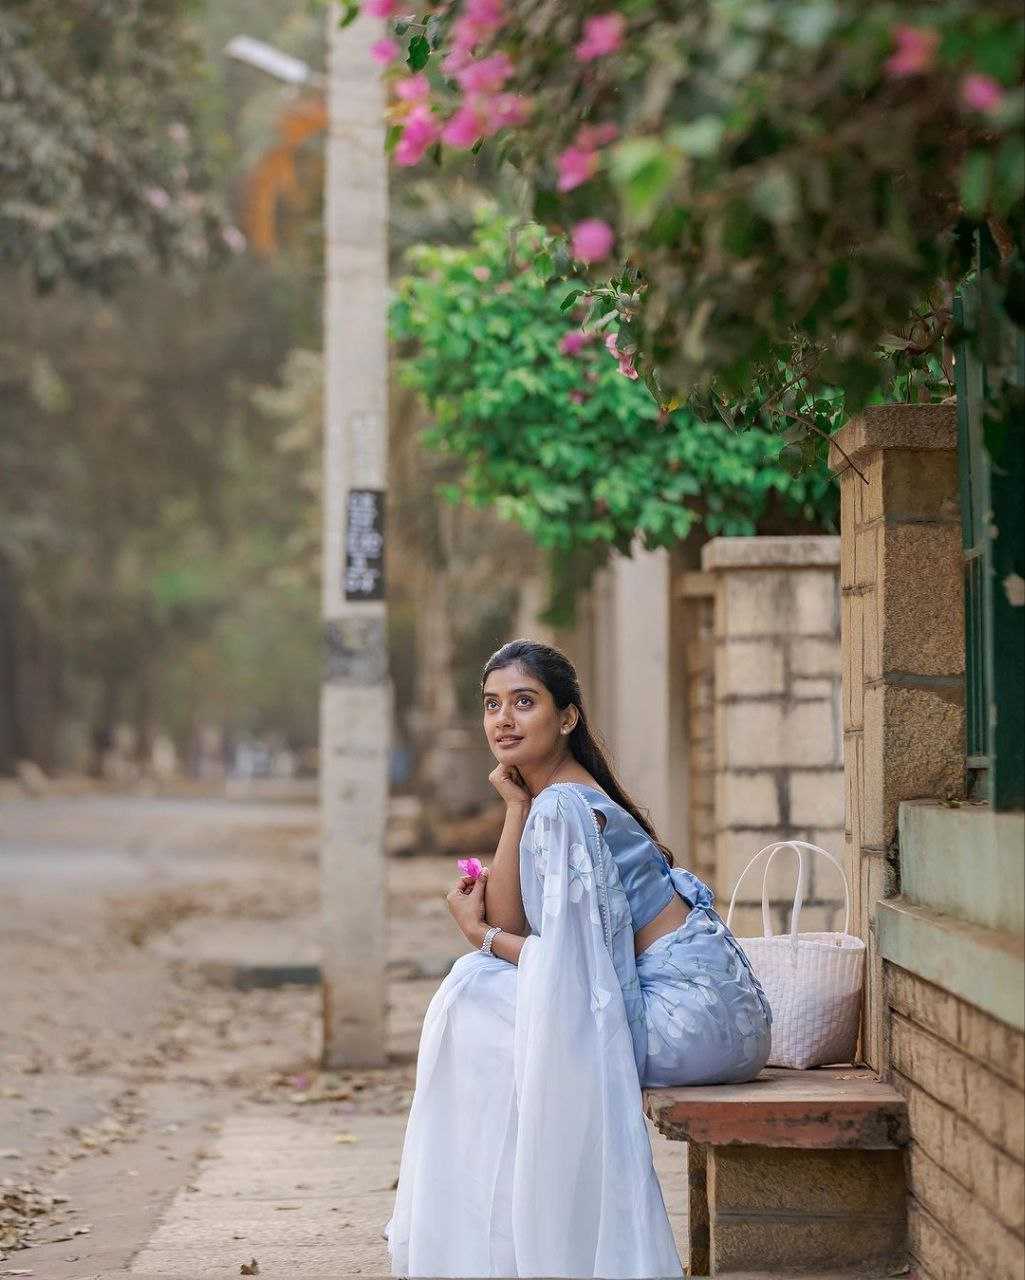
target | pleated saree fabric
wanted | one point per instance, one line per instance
(526, 1151)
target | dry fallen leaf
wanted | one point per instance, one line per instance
(346, 1137)
(251, 1268)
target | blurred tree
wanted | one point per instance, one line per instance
(104, 172)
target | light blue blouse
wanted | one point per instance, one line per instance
(641, 864)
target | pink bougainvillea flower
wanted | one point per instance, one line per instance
(504, 111)
(381, 8)
(384, 51)
(578, 396)
(486, 15)
(420, 131)
(413, 88)
(603, 34)
(482, 273)
(626, 359)
(470, 867)
(574, 341)
(576, 165)
(592, 240)
(592, 136)
(981, 93)
(486, 76)
(463, 129)
(915, 51)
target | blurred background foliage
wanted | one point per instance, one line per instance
(160, 338)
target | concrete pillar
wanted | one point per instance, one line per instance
(903, 647)
(650, 689)
(695, 593)
(779, 746)
(356, 698)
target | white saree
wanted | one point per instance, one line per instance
(526, 1151)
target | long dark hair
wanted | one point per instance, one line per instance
(559, 677)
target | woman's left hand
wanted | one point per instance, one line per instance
(466, 902)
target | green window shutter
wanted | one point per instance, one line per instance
(990, 452)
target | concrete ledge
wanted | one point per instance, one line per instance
(894, 426)
(981, 966)
(793, 552)
(964, 861)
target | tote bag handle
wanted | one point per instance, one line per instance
(772, 850)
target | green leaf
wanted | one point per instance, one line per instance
(976, 179)
(644, 169)
(570, 298)
(391, 138)
(699, 138)
(348, 12)
(419, 53)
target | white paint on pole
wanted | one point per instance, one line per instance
(356, 699)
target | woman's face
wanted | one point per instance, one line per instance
(521, 720)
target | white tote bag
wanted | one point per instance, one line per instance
(813, 981)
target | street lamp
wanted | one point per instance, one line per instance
(282, 66)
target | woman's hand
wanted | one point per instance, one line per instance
(466, 902)
(508, 782)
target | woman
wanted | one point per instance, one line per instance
(599, 968)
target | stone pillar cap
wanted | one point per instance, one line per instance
(798, 551)
(894, 426)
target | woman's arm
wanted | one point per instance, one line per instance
(503, 900)
(507, 946)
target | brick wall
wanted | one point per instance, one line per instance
(779, 763)
(963, 1074)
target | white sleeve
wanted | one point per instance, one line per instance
(586, 1200)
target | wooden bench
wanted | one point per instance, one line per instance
(797, 1171)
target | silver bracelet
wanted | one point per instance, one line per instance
(489, 937)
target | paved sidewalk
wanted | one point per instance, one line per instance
(303, 1198)
(307, 1200)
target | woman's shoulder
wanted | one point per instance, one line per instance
(561, 799)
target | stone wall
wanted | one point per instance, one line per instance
(778, 741)
(963, 1074)
(939, 888)
(903, 645)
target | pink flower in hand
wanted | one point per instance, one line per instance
(981, 93)
(413, 88)
(381, 8)
(603, 34)
(420, 131)
(915, 51)
(576, 165)
(574, 342)
(592, 240)
(470, 867)
(384, 51)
